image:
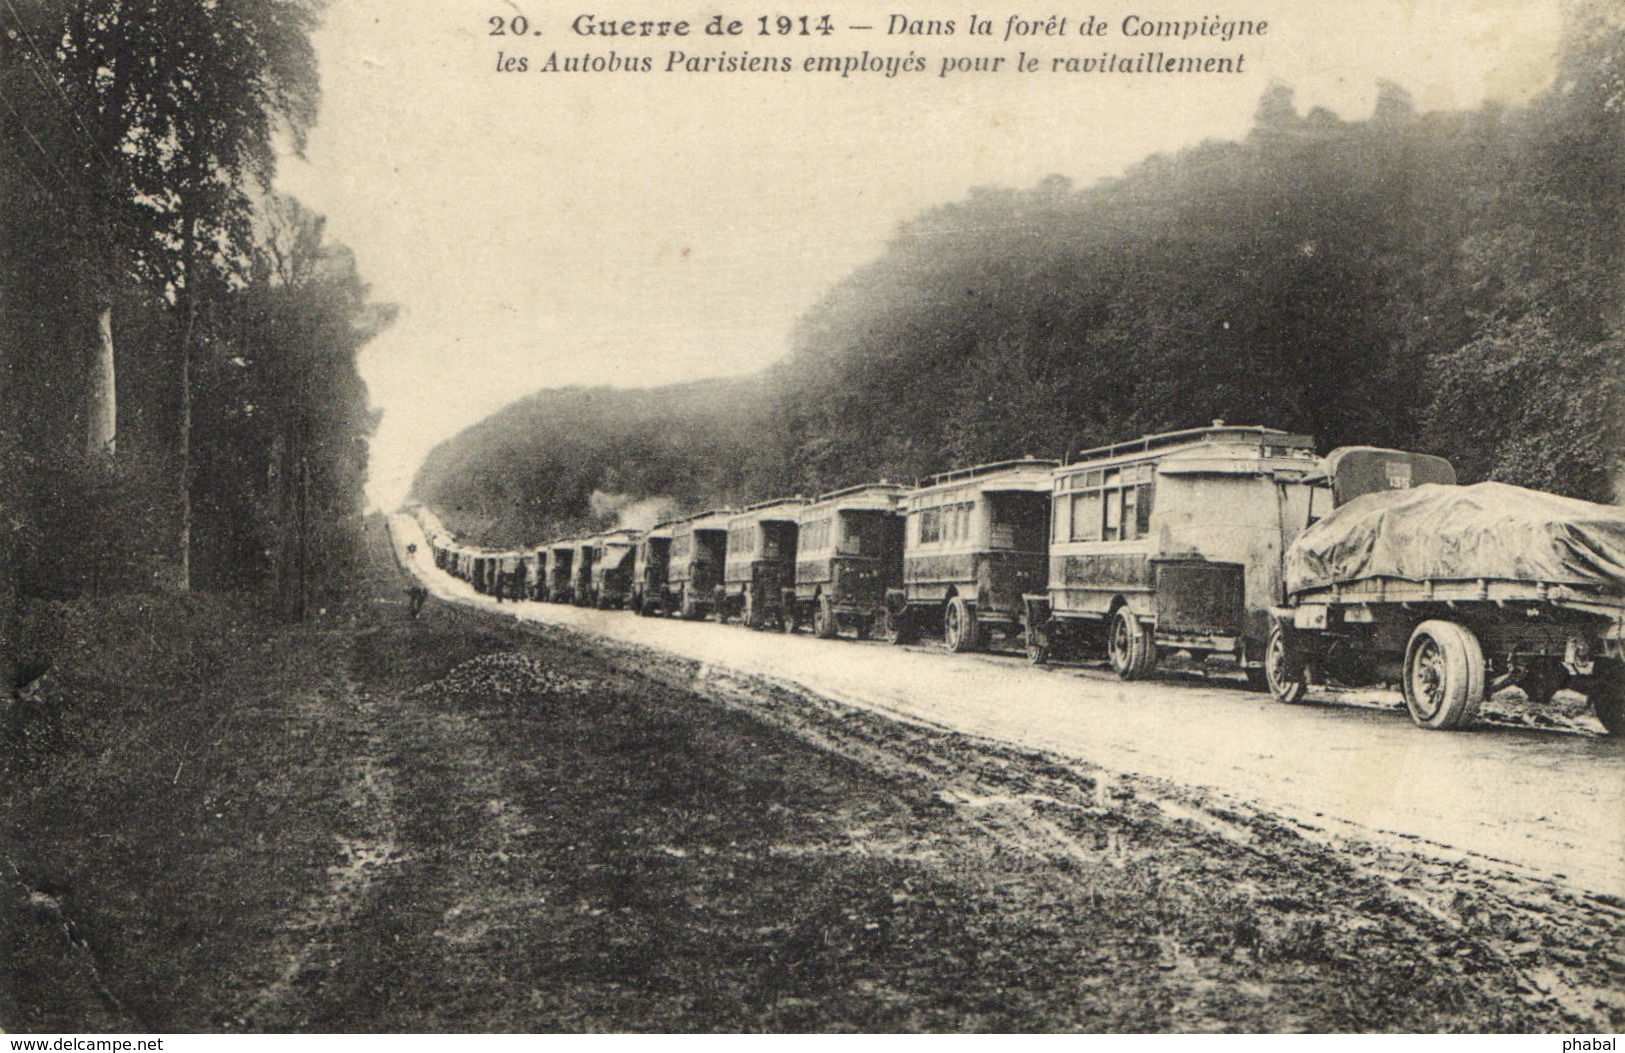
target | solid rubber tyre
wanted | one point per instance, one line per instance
(1131, 647)
(1038, 644)
(900, 628)
(825, 625)
(1284, 673)
(960, 629)
(1444, 675)
(1606, 693)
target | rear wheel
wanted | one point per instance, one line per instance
(825, 627)
(1606, 692)
(898, 627)
(1131, 647)
(960, 630)
(1444, 675)
(1284, 671)
(1038, 644)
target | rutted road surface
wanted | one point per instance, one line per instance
(1544, 801)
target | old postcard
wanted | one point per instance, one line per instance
(846, 518)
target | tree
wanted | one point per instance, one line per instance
(189, 99)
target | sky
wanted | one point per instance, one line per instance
(543, 229)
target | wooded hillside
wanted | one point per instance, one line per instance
(1449, 282)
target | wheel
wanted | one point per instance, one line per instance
(825, 626)
(752, 613)
(1283, 670)
(1541, 682)
(900, 628)
(960, 629)
(1444, 675)
(1131, 647)
(1605, 690)
(1038, 644)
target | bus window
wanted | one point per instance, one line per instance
(1086, 516)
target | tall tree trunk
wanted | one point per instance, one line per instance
(286, 459)
(187, 302)
(10, 644)
(101, 433)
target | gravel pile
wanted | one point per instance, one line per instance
(505, 676)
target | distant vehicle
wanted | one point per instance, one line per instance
(699, 547)
(977, 542)
(760, 563)
(536, 561)
(651, 562)
(849, 555)
(511, 572)
(611, 576)
(1454, 591)
(561, 560)
(1171, 542)
(581, 572)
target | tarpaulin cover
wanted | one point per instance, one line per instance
(1456, 533)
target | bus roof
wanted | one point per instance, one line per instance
(1216, 432)
(767, 506)
(881, 496)
(960, 475)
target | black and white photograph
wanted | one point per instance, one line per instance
(655, 518)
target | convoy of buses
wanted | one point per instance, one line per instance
(1173, 542)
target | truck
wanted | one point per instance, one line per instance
(849, 555)
(581, 571)
(651, 560)
(976, 542)
(561, 556)
(1454, 591)
(760, 563)
(611, 576)
(1171, 542)
(699, 546)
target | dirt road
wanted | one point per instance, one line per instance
(217, 821)
(1550, 802)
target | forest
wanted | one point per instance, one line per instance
(179, 404)
(1451, 282)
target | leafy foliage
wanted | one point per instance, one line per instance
(140, 138)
